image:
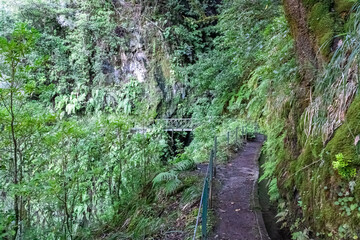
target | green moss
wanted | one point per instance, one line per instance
(288, 184)
(318, 184)
(343, 140)
(310, 154)
(324, 23)
(321, 23)
(325, 43)
(317, 13)
(343, 5)
(327, 216)
(325, 183)
(357, 189)
(309, 3)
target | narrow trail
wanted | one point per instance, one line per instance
(236, 204)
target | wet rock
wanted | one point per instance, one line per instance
(120, 31)
(107, 67)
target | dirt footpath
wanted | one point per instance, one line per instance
(236, 202)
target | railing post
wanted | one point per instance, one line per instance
(205, 209)
(215, 149)
(211, 169)
(243, 134)
(236, 135)
(246, 133)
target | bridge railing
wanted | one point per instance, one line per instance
(240, 135)
(172, 124)
(178, 124)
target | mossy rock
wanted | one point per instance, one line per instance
(325, 43)
(310, 3)
(343, 5)
(310, 153)
(318, 11)
(343, 140)
(317, 184)
(322, 24)
(327, 217)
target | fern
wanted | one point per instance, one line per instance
(172, 185)
(281, 216)
(169, 181)
(273, 190)
(301, 235)
(164, 176)
(184, 165)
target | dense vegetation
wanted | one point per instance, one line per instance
(76, 76)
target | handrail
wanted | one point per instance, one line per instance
(205, 196)
(201, 201)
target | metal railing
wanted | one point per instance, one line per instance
(207, 192)
(179, 124)
(206, 198)
(173, 124)
(182, 124)
(169, 125)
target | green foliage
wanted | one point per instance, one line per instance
(71, 173)
(342, 166)
(219, 73)
(191, 28)
(301, 235)
(169, 179)
(16, 85)
(80, 44)
(91, 162)
(348, 205)
(345, 232)
(332, 82)
(344, 5)
(321, 22)
(83, 174)
(273, 190)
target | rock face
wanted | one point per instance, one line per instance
(307, 175)
(132, 59)
(129, 63)
(134, 62)
(314, 26)
(297, 17)
(144, 56)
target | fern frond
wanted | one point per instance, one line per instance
(164, 176)
(184, 165)
(282, 216)
(172, 185)
(273, 190)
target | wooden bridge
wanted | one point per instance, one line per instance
(171, 125)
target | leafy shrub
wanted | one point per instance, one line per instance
(342, 165)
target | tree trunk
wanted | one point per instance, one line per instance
(15, 148)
